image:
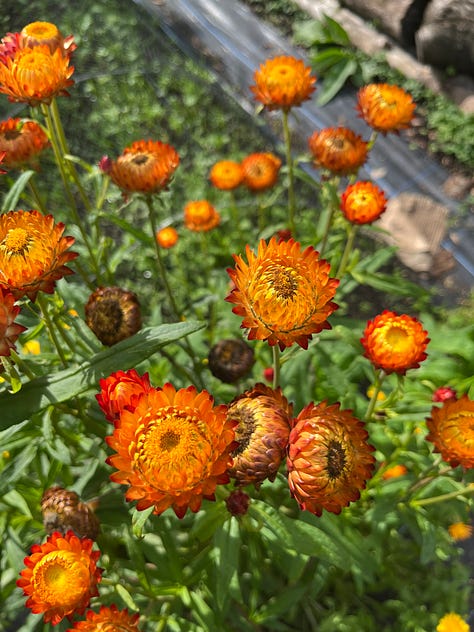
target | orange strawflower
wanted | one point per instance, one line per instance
(167, 237)
(282, 83)
(48, 34)
(22, 141)
(63, 511)
(385, 108)
(329, 459)
(460, 531)
(146, 166)
(35, 75)
(451, 430)
(363, 202)
(33, 253)
(60, 577)
(113, 314)
(108, 619)
(121, 390)
(172, 449)
(201, 216)
(283, 293)
(338, 149)
(263, 425)
(226, 175)
(260, 171)
(452, 622)
(9, 330)
(395, 343)
(394, 472)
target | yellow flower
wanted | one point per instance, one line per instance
(32, 253)
(226, 175)
(172, 449)
(338, 149)
(201, 216)
(23, 141)
(108, 619)
(451, 430)
(460, 531)
(32, 346)
(60, 577)
(113, 314)
(283, 82)
(45, 33)
(385, 108)
(363, 202)
(260, 171)
(284, 294)
(452, 622)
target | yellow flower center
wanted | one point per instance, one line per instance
(336, 459)
(398, 339)
(282, 281)
(60, 579)
(41, 31)
(280, 76)
(17, 241)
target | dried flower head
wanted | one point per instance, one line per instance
(363, 202)
(172, 449)
(226, 175)
(451, 430)
(283, 82)
(167, 237)
(113, 314)
(338, 149)
(121, 390)
(33, 253)
(35, 75)
(23, 142)
(60, 577)
(9, 330)
(452, 622)
(385, 108)
(146, 166)
(283, 293)
(201, 216)
(263, 424)
(460, 531)
(395, 343)
(63, 511)
(329, 459)
(237, 502)
(108, 619)
(260, 171)
(230, 359)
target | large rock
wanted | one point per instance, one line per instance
(445, 37)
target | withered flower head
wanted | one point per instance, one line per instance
(231, 359)
(363, 202)
(385, 108)
(113, 314)
(33, 253)
(121, 390)
(237, 502)
(395, 343)
(329, 459)
(226, 175)
(263, 419)
(9, 330)
(64, 511)
(338, 149)
(283, 82)
(108, 619)
(23, 142)
(201, 216)
(283, 293)
(451, 430)
(260, 171)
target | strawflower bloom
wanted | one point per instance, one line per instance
(167, 237)
(395, 343)
(121, 390)
(226, 175)
(460, 531)
(443, 393)
(452, 622)
(263, 425)
(35, 75)
(9, 329)
(146, 166)
(329, 459)
(46, 33)
(260, 171)
(282, 83)
(394, 472)
(385, 108)
(451, 430)
(172, 449)
(283, 293)
(64, 511)
(108, 619)
(338, 149)
(200, 216)
(60, 577)
(230, 359)
(23, 142)
(363, 202)
(113, 314)
(33, 253)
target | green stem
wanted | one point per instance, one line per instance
(276, 365)
(51, 328)
(21, 364)
(291, 176)
(378, 380)
(422, 502)
(333, 202)
(352, 231)
(36, 195)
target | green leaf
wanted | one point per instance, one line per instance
(12, 197)
(126, 597)
(227, 546)
(138, 521)
(335, 79)
(63, 385)
(336, 32)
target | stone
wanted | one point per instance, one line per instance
(398, 18)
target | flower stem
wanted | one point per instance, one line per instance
(378, 380)
(422, 502)
(352, 231)
(291, 175)
(333, 202)
(276, 365)
(48, 321)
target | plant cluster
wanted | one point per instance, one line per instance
(198, 433)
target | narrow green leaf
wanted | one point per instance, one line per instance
(227, 547)
(15, 468)
(12, 197)
(138, 521)
(126, 597)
